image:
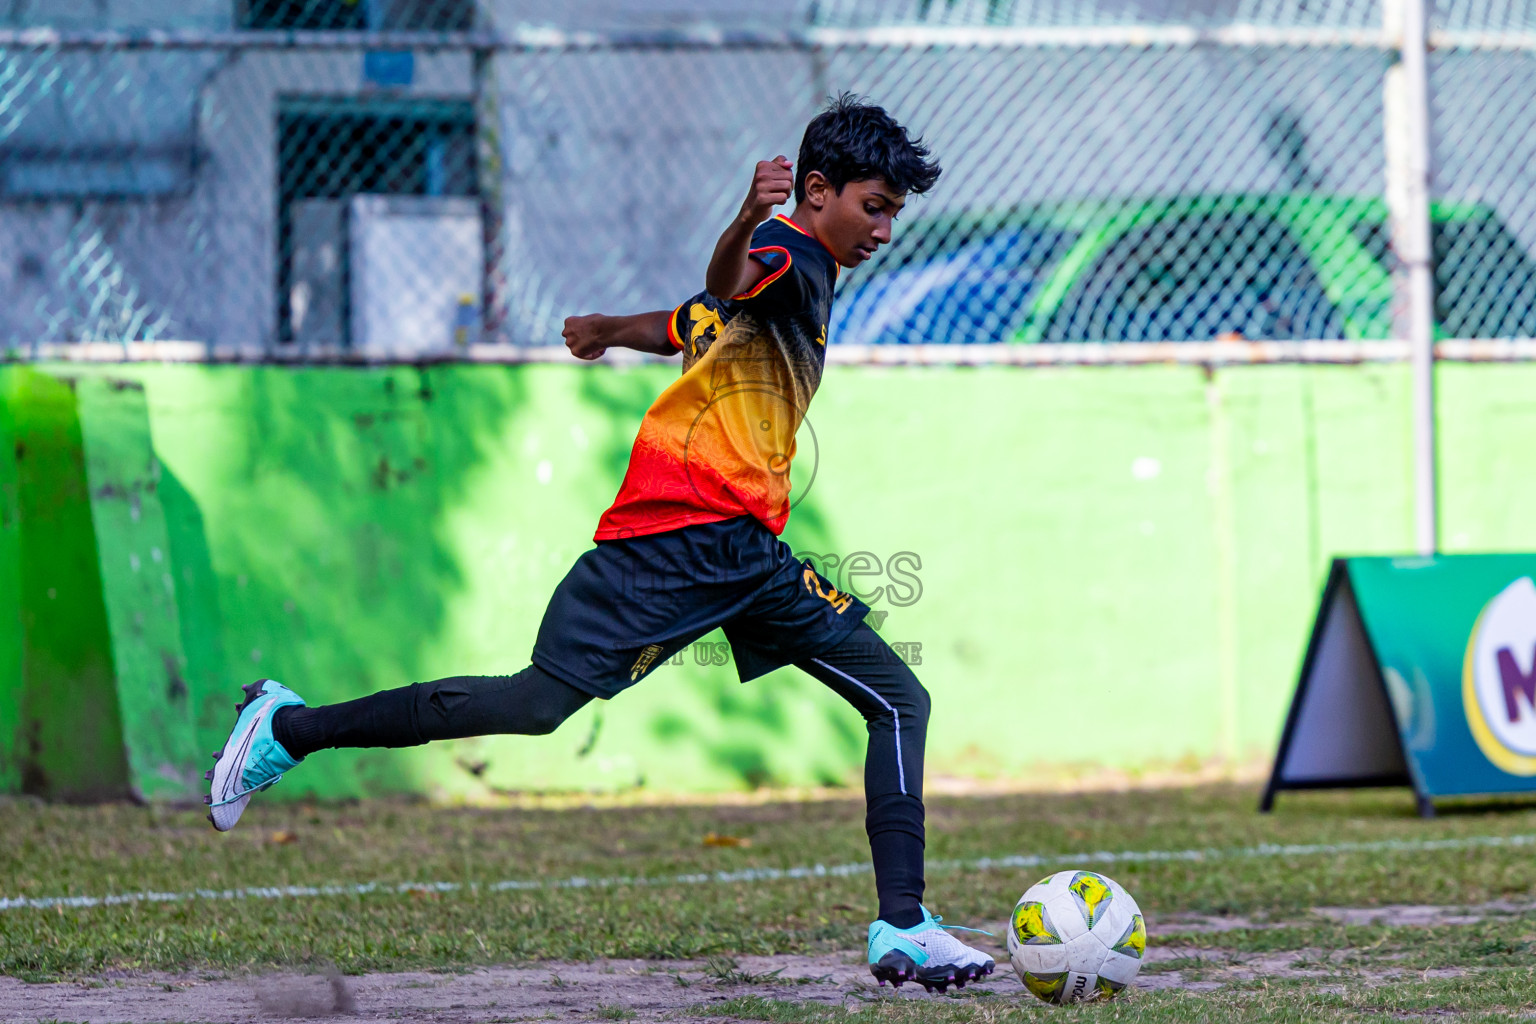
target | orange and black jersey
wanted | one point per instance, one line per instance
(719, 441)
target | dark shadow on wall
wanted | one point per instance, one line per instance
(197, 607)
(311, 553)
(305, 511)
(623, 398)
(10, 597)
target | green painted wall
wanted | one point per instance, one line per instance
(1117, 566)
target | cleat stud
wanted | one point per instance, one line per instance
(208, 800)
(208, 775)
(211, 821)
(882, 982)
(218, 754)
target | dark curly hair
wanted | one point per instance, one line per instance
(854, 141)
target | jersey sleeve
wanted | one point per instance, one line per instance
(695, 324)
(784, 289)
(678, 325)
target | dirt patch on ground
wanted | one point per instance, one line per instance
(1403, 915)
(651, 990)
(1185, 924)
(1415, 916)
(1204, 969)
(605, 989)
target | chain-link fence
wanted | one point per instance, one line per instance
(416, 176)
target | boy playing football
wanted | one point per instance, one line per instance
(691, 543)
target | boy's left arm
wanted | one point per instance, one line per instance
(588, 337)
(732, 271)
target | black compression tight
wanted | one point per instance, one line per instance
(865, 672)
(862, 669)
(531, 703)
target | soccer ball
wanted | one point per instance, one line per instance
(1075, 936)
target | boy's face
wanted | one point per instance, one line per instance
(855, 222)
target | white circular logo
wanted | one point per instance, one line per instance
(1499, 679)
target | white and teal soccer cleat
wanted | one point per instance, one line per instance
(252, 760)
(925, 953)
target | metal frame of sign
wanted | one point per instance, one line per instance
(1379, 720)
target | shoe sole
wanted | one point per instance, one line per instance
(896, 967)
(228, 764)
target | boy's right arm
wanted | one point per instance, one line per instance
(588, 337)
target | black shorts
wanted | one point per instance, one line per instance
(629, 605)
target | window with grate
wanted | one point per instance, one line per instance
(332, 150)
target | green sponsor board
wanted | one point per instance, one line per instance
(1421, 672)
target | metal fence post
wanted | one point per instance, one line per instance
(489, 167)
(1408, 174)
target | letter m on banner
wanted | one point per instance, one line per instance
(1517, 682)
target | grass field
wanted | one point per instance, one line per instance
(1240, 931)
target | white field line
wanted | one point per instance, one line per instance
(775, 874)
